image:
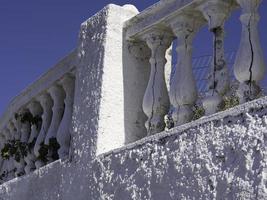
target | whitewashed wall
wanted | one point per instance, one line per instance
(222, 156)
(219, 157)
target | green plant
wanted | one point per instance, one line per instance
(15, 149)
(198, 112)
(230, 101)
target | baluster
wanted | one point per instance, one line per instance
(2, 143)
(36, 111)
(58, 96)
(249, 67)
(3, 162)
(12, 131)
(183, 91)
(156, 100)
(9, 164)
(17, 135)
(63, 134)
(25, 134)
(46, 103)
(216, 12)
(17, 126)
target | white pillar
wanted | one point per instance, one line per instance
(4, 163)
(183, 90)
(2, 143)
(25, 134)
(36, 111)
(57, 93)
(17, 125)
(9, 162)
(46, 103)
(17, 135)
(63, 134)
(156, 100)
(249, 67)
(216, 12)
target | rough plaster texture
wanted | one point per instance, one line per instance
(218, 157)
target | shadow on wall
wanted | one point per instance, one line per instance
(136, 70)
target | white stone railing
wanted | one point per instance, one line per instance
(159, 25)
(36, 123)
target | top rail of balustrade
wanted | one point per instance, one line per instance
(160, 14)
(66, 65)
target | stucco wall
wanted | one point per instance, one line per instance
(223, 156)
(218, 157)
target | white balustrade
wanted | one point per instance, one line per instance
(57, 93)
(249, 67)
(156, 101)
(63, 134)
(46, 117)
(46, 103)
(183, 91)
(184, 22)
(216, 12)
(33, 119)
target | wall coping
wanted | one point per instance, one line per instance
(161, 14)
(235, 111)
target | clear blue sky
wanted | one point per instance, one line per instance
(35, 34)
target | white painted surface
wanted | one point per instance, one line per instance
(220, 156)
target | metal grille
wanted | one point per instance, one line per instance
(201, 68)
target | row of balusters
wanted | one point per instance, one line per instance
(249, 67)
(45, 120)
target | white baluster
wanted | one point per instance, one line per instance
(25, 130)
(63, 134)
(19, 165)
(156, 100)
(12, 131)
(2, 143)
(57, 93)
(25, 134)
(183, 91)
(216, 12)
(46, 103)
(3, 162)
(36, 111)
(249, 67)
(10, 163)
(17, 125)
